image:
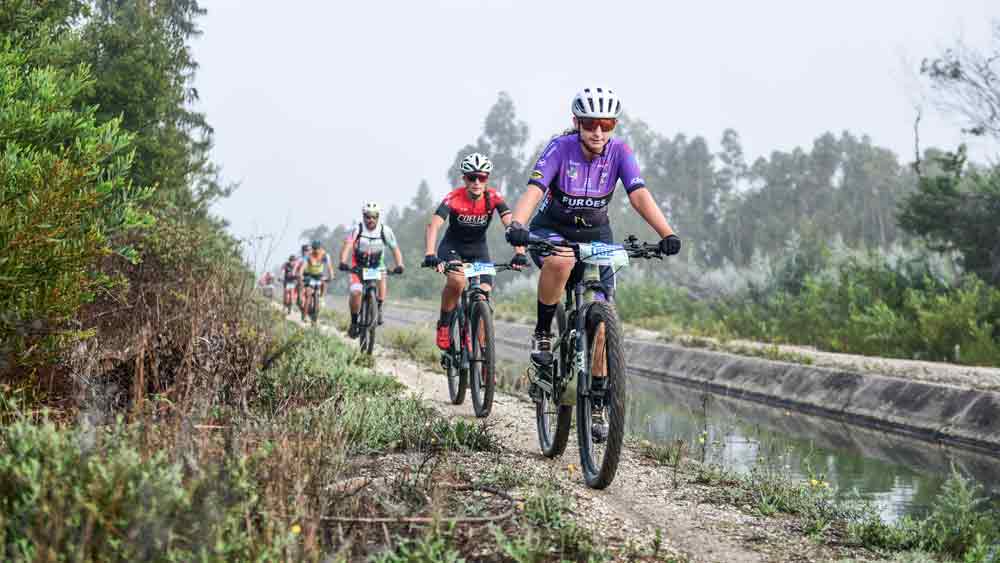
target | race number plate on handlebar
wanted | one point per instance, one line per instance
(368, 274)
(479, 269)
(603, 254)
(315, 282)
(290, 285)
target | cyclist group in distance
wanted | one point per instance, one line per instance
(365, 243)
(570, 185)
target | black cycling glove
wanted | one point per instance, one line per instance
(519, 259)
(670, 245)
(344, 267)
(517, 234)
(430, 261)
(398, 270)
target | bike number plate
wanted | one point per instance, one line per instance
(290, 285)
(480, 269)
(603, 254)
(313, 282)
(369, 274)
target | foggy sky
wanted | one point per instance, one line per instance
(327, 104)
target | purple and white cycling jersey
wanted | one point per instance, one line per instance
(577, 191)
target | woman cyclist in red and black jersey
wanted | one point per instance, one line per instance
(469, 211)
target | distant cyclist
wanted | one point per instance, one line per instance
(365, 245)
(303, 254)
(469, 211)
(317, 266)
(573, 180)
(289, 276)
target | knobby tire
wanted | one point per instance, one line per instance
(482, 372)
(598, 474)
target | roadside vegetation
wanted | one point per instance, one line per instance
(321, 458)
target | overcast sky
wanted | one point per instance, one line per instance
(327, 104)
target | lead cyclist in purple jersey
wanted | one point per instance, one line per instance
(573, 180)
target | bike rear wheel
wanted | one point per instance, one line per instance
(482, 361)
(552, 418)
(599, 459)
(457, 377)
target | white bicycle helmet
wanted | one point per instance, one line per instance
(597, 102)
(371, 208)
(476, 162)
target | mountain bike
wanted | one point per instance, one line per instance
(470, 361)
(588, 345)
(368, 314)
(313, 287)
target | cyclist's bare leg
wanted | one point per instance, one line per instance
(452, 291)
(383, 289)
(354, 301)
(552, 280)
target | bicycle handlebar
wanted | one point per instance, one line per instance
(459, 266)
(632, 245)
(358, 270)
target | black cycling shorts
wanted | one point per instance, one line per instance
(467, 252)
(600, 233)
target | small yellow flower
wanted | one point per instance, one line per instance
(520, 506)
(701, 439)
(296, 529)
(813, 482)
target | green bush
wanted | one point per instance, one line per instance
(90, 494)
(64, 188)
(961, 524)
(864, 305)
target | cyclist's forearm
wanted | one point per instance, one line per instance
(643, 202)
(527, 203)
(430, 238)
(345, 252)
(398, 256)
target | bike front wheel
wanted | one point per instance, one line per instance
(314, 306)
(369, 309)
(600, 422)
(482, 361)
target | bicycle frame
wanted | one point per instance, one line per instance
(471, 291)
(577, 299)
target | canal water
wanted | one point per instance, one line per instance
(899, 475)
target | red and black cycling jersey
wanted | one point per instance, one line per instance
(469, 218)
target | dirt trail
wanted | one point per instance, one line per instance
(642, 498)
